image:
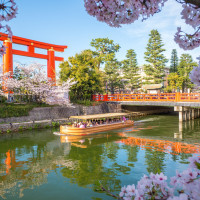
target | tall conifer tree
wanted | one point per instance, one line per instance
(156, 59)
(131, 70)
(112, 76)
(174, 62)
(104, 47)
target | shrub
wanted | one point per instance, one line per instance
(8, 131)
(21, 128)
(86, 102)
(47, 126)
(55, 124)
(36, 126)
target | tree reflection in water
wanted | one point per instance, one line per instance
(26, 160)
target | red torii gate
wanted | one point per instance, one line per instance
(31, 45)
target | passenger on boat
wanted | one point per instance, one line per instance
(89, 124)
(82, 126)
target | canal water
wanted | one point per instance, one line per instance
(40, 165)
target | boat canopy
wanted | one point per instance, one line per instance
(99, 116)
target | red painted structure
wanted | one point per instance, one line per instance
(31, 45)
(172, 97)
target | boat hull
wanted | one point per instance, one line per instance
(95, 129)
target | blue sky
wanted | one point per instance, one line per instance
(65, 22)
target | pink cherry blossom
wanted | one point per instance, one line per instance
(155, 186)
(195, 74)
(118, 12)
(8, 10)
(35, 83)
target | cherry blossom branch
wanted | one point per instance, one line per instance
(8, 10)
(109, 193)
(194, 2)
(155, 186)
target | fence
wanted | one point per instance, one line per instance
(169, 97)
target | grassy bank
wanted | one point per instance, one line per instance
(17, 110)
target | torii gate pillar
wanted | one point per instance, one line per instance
(8, 58)
(51, 65)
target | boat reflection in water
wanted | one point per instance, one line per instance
(92, 140)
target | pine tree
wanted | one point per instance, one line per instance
(104, 47)
(112, 76)
(154, 56)
(174, 62)
(131, 70)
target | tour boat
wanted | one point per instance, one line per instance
(69, 130)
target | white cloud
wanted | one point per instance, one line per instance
(166, 22)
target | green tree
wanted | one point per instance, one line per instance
(104, 47)
(83, 68)
(112, 75)
(184, 68)
(175, 82)
(156, 59)
(174, 61)
(131, 70)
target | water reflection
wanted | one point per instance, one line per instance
(34, 159)
(170, 147)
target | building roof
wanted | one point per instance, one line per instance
(99, 116)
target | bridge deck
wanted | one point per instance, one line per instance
(156, 103)
(162, 99)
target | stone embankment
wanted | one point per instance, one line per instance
(51, 116)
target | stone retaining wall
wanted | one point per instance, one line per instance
(30, 125)
(44, 117)
(45, 113)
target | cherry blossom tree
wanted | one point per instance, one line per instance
(35, 84)
(1, 81)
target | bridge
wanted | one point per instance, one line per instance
(187, 104)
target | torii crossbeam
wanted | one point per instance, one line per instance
(31, 45)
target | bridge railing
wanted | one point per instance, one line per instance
(170, 97)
